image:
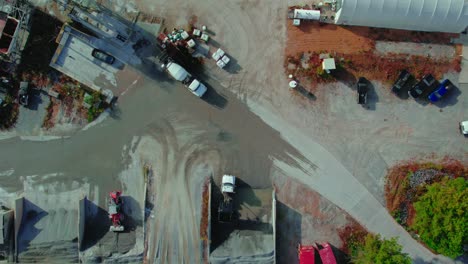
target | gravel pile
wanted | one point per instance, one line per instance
(422, 176)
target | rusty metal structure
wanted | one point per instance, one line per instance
(16, 15)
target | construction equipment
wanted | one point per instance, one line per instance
(180, 74)
(226, 208)
(115, 211)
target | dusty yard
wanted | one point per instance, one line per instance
(377, 54)
(315, 36)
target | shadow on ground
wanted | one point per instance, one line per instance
(451, 98)
(304, 92)
(288, 233)
(220, 231)
(97, 224)
(372, 97)
(215, 98)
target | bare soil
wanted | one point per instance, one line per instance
(318, 37)
(204, 220)
(354, 51)
(315, 36)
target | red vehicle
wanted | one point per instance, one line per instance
(326, 254)
(306, 254)
(115, 211)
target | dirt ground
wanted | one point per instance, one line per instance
(315, 36)
(358, 52)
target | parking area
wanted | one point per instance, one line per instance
(74, 58)
(31, 117)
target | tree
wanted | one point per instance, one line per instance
(442, 216)
(376, 250)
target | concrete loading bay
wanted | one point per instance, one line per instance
(250, 236)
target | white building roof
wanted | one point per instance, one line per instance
(421, 15)
(328, 64)
(307, 14)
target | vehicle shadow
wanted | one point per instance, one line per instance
(346, 77)
(288, 233)
(304, 92)
(451, 98)
(233, 67)
(214, 98)
(35, 99)
(340, 256)
(372, 97)
(245, 194)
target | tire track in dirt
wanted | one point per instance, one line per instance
(183, 150)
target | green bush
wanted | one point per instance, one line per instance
(442, 216)
(377, 250)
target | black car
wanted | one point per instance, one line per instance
(401, 82)
(362, 88)
(102, 56)
(423, 86)
(23, 95)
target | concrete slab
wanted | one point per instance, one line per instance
(49, 225)
(30, 118)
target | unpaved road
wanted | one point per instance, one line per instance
(193, 138)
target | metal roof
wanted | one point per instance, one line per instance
(421, 15)
(307, 14)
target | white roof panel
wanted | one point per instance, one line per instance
(307, 14)
(421, 15)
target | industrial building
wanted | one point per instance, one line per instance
(14, 24)
(419, 15)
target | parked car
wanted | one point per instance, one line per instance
(401, 82)
(422, 86)
(441, 90)
(23, 95)
(464, 127)
(362, 88)
(102, 56)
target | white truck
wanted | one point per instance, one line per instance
(226, 207)
(180, 74)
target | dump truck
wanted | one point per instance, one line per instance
(226, 207)
(180, 74)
